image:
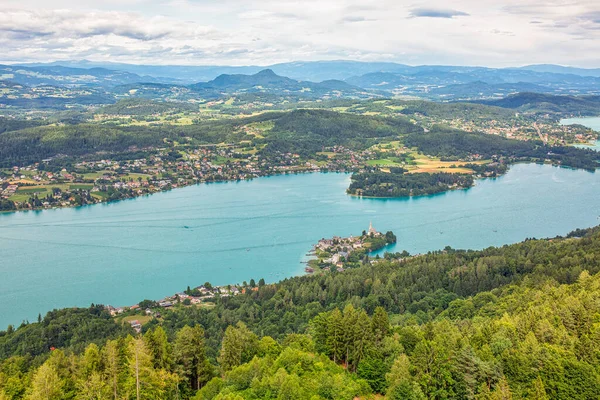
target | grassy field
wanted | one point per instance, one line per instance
(81, 186)
(329, 154)
(96, 175)
(383, 163)
(31, 190)
(19, 198)
(142, 319)
(434, 164)
(99, 195)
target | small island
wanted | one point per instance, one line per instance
(338, 253)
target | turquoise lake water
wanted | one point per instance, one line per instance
(154, 246)
(590, 122)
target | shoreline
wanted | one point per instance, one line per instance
(306, 171)
(297, 267)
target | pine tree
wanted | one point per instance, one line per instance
(159, 347)
(93, 388)
(91, 360)
(113, 366)
(335, 336)
(190, 357)
(46, 384)
(538, 392)
(501, 391)
(239, 345)
(380, 324)
(144, 382)
(362, 338)
(349, 321)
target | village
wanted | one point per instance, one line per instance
(137, 314)
(339, 253)
(63, 182)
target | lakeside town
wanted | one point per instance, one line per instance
(338, 253)
(60, 182)
(335, 254)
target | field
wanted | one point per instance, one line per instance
(383, 162)
(81, 186)
(420, 163)
(433, 164)
(142, 319)
(31, 190)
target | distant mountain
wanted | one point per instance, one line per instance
(67, 76)
(267, 81)
(314, 71)
(451, 83)
(583, 105)
(559, 69)
(107, 82)
(479, 89)
(317, 71)
(371, 75)
(181, 74)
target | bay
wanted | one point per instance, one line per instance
(590, 122)
(150, 247)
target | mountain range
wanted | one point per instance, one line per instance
(99, 83)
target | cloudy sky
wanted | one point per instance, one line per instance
(244, 32)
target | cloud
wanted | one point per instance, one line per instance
(238, 32)
(592, 17)
(355, 18)
(436, 13)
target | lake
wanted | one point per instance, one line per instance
(150, 247)
(590, 122)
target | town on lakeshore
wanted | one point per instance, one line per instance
(338, 253)
(329, 255)
(400, 165)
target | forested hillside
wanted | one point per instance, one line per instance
(308, 131)
(547, 103)
(453, 144)
(300, 131)
(520, 321)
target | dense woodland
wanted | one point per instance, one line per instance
(307, 132)
(518, 321)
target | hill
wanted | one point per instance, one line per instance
(544, 103)
(559, 69)
(267, 81)
(63, 76)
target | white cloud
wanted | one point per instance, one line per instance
(235, 32)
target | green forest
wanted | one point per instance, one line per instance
(515, 322)
(401, 184)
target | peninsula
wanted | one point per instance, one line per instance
(340, 253)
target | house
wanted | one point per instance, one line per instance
(135, 324)
(116, 311)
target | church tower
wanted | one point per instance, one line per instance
(371, 229)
